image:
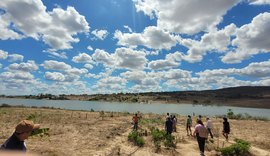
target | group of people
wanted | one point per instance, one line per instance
(201, 132)
(24, 129)
(170, 124)
(209, 125)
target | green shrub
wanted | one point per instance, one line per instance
(5, 105)
(169, 141)
(240, 148)
(230, 113)
(158, 135)
(40, 132)
(136, 139)
(140, 141)
(134, 99)
(245, 116)
(132, 135)
(31, 117)
(146, 121)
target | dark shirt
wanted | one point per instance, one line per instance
(226, 127)
(13, 143)
(169, 126)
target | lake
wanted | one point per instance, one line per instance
(182, 109)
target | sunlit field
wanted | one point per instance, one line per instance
(106, 133)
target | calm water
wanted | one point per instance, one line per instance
(183, 109)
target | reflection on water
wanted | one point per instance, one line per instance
(182, 109)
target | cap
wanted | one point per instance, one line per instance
(26, 126)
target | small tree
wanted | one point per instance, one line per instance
(230, 113)
(136, 139)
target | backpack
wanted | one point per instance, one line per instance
(203, 132)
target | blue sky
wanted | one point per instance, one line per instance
(112, 46)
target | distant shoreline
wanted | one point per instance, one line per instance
(244, 96)
(231, 103)
(239, 116)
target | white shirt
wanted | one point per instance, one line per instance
(209, 124)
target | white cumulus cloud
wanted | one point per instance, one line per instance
(55, 65)
(251, 39)
(110, 84)
(89, 66)
(152, 37)
(3, 54)
(57, 28)
(82, 58)
(104, 58)
(90, 48)
(24, 66)
(259, 2)
(15, 57)
(130, 59)
(16, 76)
(100, 34)
(255, 69)
(54, 76)
(188, 17)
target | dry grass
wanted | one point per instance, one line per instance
(94, 133)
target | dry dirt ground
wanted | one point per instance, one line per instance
(81, 133)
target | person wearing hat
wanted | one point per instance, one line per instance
(22, 131)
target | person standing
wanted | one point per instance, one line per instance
(188, 125)
(174, 120)
(135, 120)
(209, 126)
(226, 128)
(200, 117)
(22, 131)
(201, 134)
(167, 116)
(169, 126)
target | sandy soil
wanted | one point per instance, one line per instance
(80, 133)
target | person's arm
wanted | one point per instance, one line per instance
(195, 131)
